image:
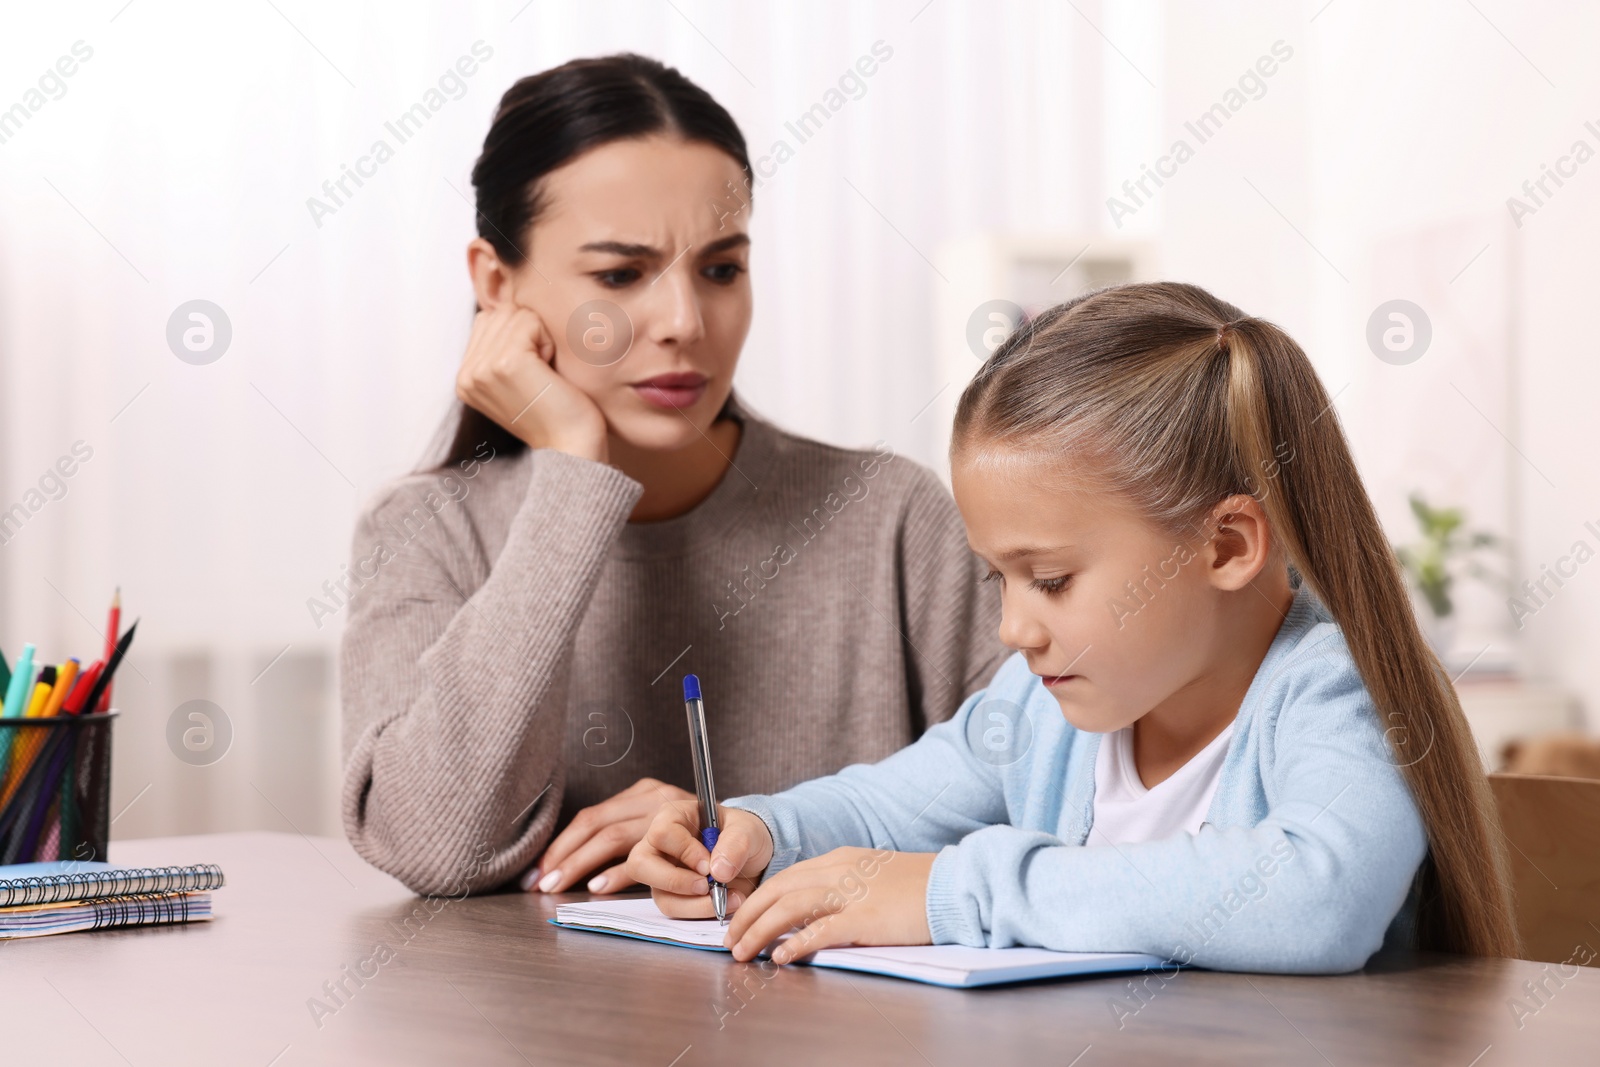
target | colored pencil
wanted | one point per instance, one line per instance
(113, 624)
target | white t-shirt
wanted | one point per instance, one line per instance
(1125, 812)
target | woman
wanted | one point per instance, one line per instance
(608, 518)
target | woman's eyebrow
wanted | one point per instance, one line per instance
(622, 248)
(638, 251)
(736, 240)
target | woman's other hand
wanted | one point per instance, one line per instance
(598, 834)
(508, 373)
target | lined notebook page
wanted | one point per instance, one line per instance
(641, 916)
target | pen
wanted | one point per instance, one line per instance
(704, 788)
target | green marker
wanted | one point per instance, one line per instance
(17, 690)
(16, 695)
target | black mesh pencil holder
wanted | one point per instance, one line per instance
(55, 787)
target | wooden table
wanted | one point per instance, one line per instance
(488, 981)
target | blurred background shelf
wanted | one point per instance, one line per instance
(1502, 710)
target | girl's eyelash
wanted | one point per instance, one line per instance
(1043, 585)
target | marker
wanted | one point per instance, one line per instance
(21, 679)
(41, 692)
(80, 688)
(58, 693)
(704, 788)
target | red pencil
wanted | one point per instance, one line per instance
(112, 625)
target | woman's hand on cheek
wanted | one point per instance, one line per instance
(850, 896)
(508, 374)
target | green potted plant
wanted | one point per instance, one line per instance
(1446, 551)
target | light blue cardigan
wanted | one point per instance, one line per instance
(1310, 850)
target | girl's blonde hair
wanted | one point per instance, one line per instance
(1180, 400)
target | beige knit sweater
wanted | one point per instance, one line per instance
(515, 647)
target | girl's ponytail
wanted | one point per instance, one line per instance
(1179, 400)
(1322, 515)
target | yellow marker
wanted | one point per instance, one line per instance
(63, 686)
(36, 703)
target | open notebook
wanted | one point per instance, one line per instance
(947, 965)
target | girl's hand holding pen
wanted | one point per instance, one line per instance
(850, 896)
(674, 864)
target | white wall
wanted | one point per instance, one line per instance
(1377, 164)
(1434, 115)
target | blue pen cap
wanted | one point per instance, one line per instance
(691, 687)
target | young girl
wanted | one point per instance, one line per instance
(1222, 739)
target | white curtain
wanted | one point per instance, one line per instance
(176, 161)
(176, 164)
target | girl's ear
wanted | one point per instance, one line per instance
(1241, 542)
(491, 278)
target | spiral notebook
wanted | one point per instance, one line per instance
(66, 880)
(957, 966)
(104, 913)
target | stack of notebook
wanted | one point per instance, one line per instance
(67, 896)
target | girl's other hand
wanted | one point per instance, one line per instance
(850, 896)
(508, 373)
(606, 831)
(674, 864)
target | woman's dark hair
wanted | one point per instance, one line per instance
(545, 121)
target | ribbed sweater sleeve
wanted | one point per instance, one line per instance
(455, 705)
